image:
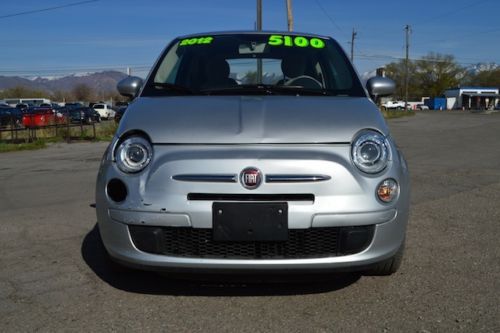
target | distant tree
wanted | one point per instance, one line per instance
(250, 77)
(82, 92)
(489, 78)
(23, 92)
(396, 71)
(115, 97)
(429, 76)
(437, 72)
(62, 96)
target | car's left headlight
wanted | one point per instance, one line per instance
(370, 151)
(133, 154)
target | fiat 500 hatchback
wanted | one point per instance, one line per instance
(257, 151)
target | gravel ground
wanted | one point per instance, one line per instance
(54, 275)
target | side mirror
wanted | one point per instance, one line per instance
(379, 86)
(130, 86)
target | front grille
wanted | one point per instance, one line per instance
(198, 243)
(249, 197)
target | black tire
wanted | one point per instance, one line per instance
(388, 266)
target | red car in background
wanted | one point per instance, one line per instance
(42, 116)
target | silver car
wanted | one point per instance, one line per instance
(254, 151)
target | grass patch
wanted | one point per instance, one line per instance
(393, 114)
(25, 140)
(105, 131)
(6, 147)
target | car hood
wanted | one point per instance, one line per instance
(251, 119)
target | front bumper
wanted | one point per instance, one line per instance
(348, 200)
(387, 238)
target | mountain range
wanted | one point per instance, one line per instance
(106, 81)
(101, 81)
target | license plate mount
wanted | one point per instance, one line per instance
(250, 222)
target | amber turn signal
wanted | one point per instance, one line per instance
(388, 190)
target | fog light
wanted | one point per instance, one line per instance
(388, 190)
(355, 239)
(117, 191)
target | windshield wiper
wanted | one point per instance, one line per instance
(300, 90)
(268, 89)
(173, 87)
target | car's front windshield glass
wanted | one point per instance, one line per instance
(254, 64)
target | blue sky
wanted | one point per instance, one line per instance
(114, 34)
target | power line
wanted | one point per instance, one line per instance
(47, 9)
(458, 37)
(440, 16)
(328, 16)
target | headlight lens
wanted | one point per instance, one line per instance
(133, 154)
(370, 152)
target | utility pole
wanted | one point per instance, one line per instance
(259, 28)
(289, 15)
(259, 15)
(407, 30)
(353, 37)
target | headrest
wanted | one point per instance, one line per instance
(217, 67)
(293, 65)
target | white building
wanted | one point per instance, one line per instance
(472, 98)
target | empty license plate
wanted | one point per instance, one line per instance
(250, 222)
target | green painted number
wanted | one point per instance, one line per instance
(299, 41)
(196, 41)
(288, 41)
(275, 40)
(317, 43)
(206, 40)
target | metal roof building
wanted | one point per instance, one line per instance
(477, 98)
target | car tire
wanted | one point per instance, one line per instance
(388, 266)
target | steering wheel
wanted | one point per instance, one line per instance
(304, 81)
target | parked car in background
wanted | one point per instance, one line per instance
(399, 105)
(121, 104)
(104, 110)
(23, 107)
(422, 107)
(84, 115)
(73, 105)
(10, 116)
(41, 116)
(119, 113)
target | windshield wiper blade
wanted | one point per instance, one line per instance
(235, 89)
(173, 87)
(300, 90)
(269, 89)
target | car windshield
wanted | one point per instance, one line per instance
(242, 64)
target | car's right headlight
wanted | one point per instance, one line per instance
(370, 151)
(133, 154)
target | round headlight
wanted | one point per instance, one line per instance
(370, 152)
(133, 154)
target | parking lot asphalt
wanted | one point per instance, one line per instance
(54, 275)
